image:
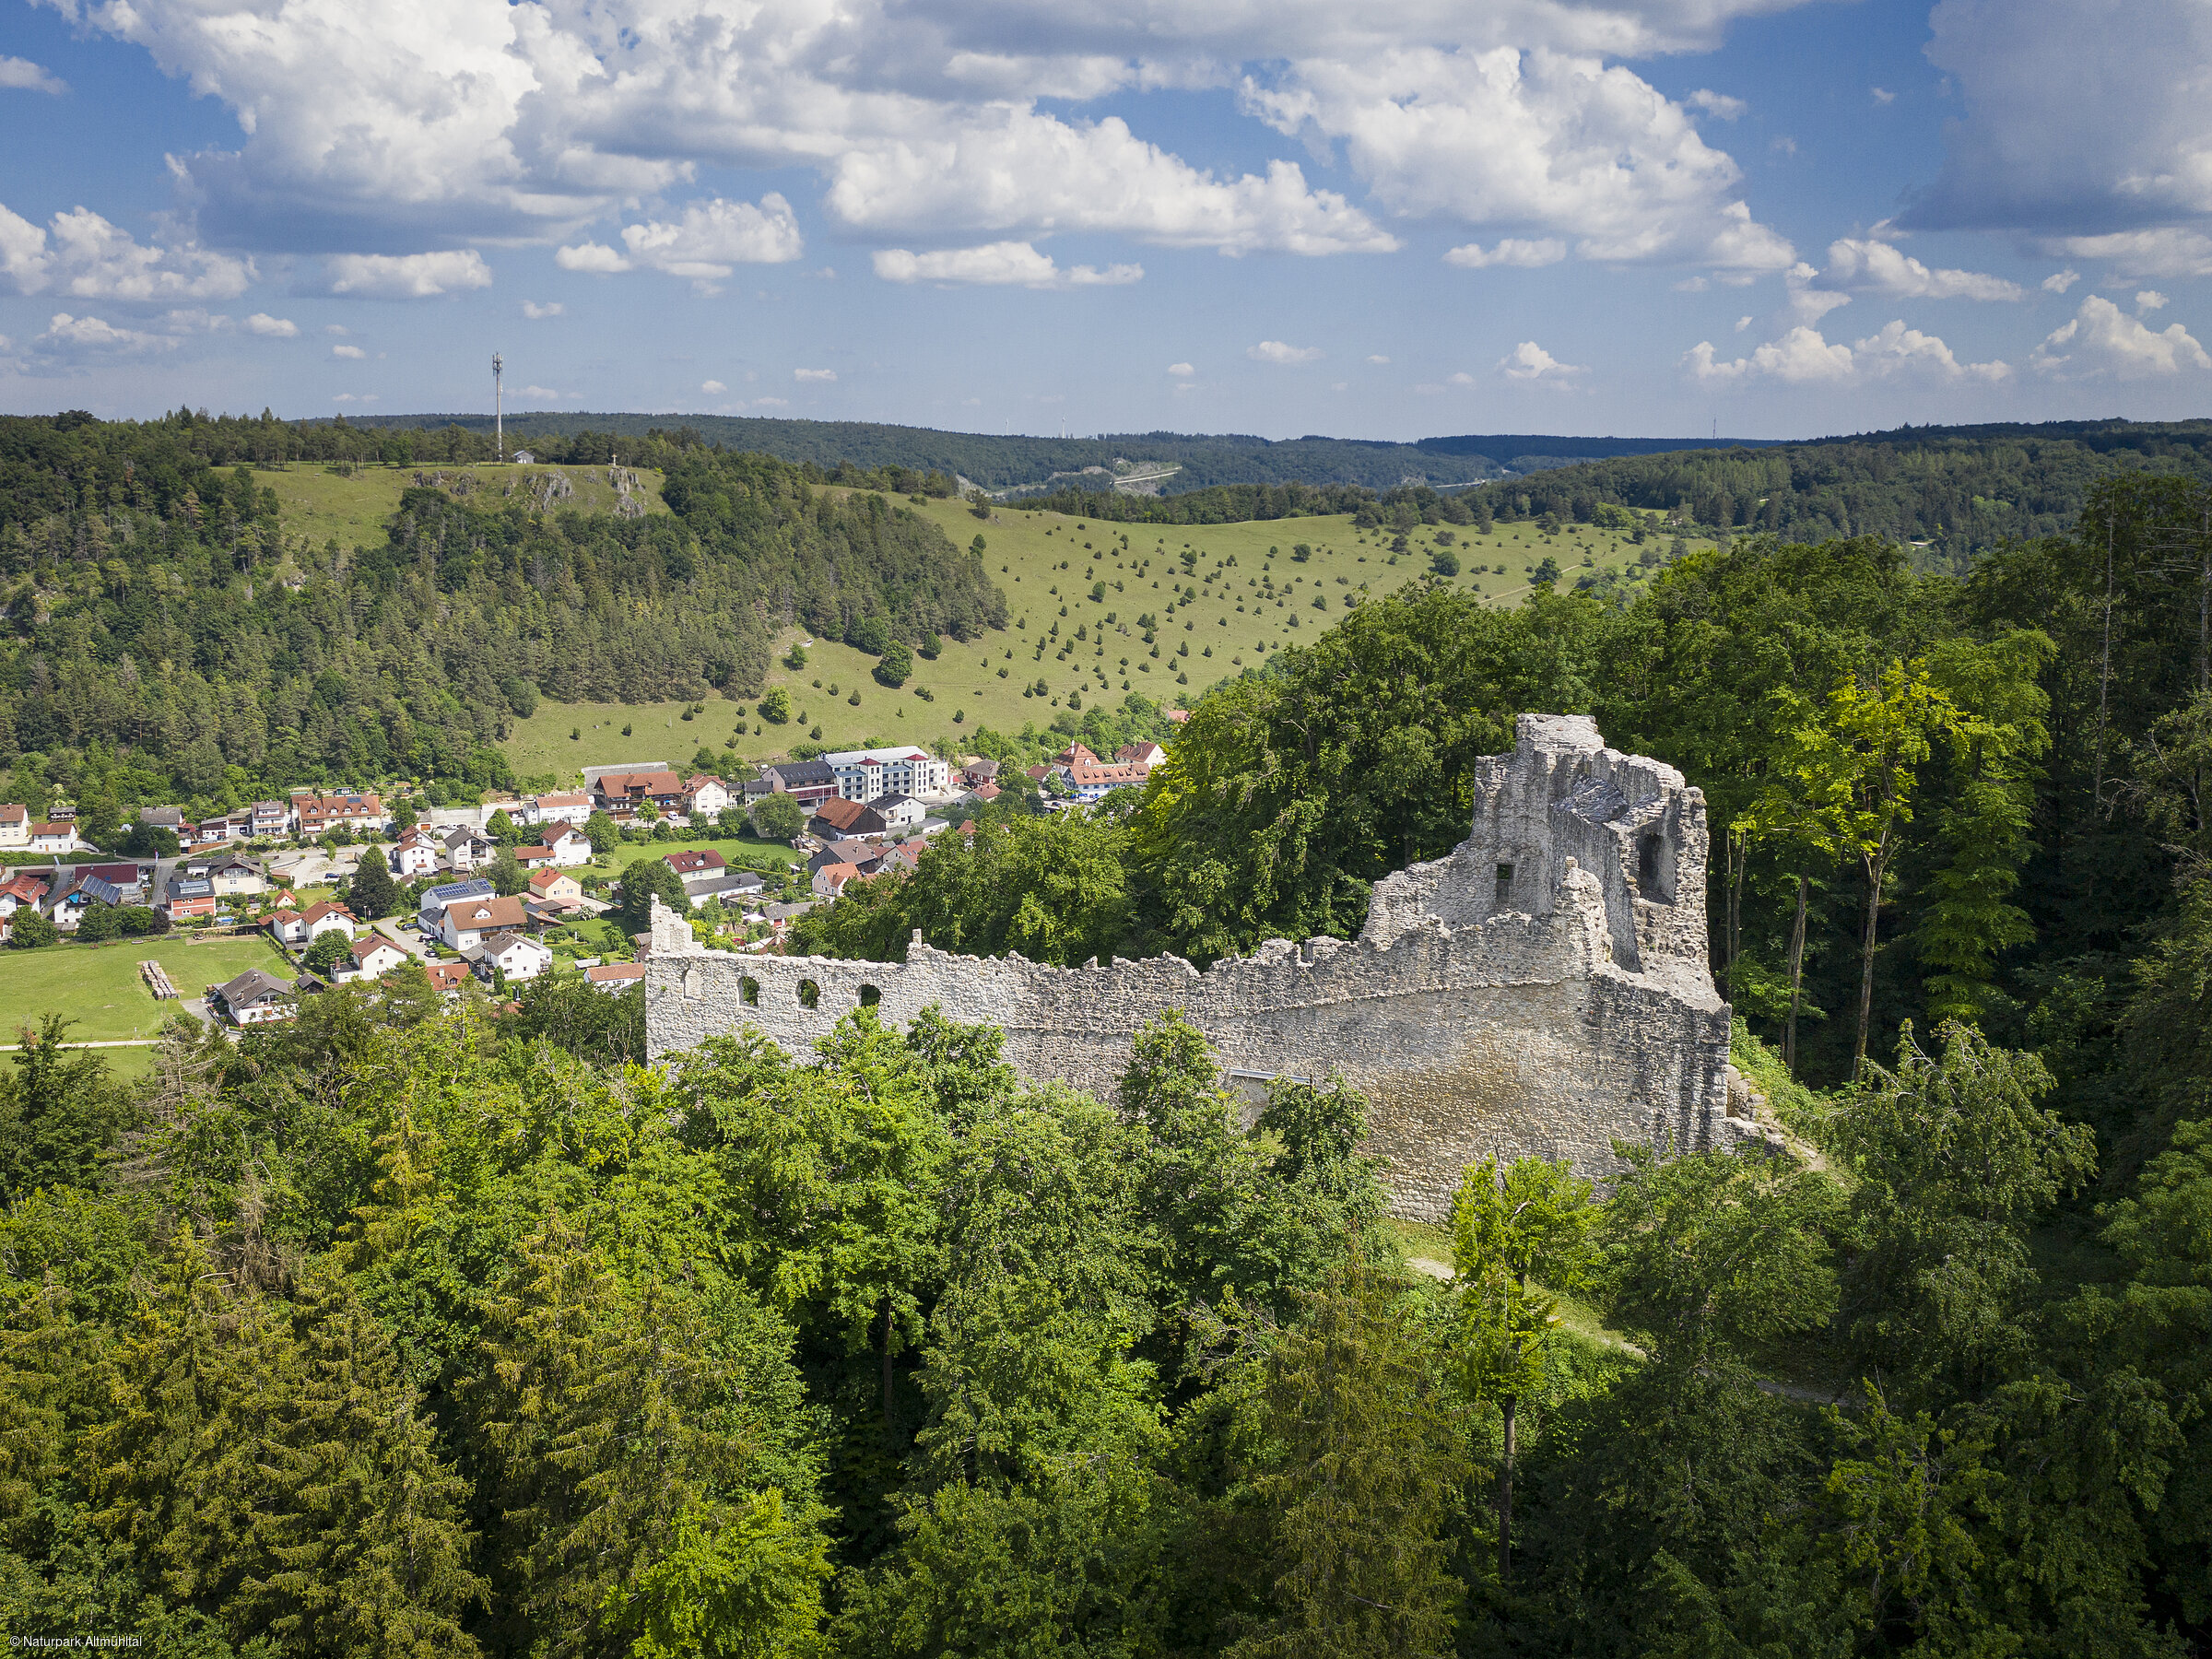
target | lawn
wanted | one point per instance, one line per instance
(1225, 618)
(98, 985)
(745, 852)
(323, 507)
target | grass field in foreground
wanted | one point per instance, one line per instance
(1045, 563)
(323, 507)
(98, 985)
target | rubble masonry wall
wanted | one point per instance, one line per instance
(1525, 995)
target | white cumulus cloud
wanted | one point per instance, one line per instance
(436, 123)
(406, 275)
(1718, 103)
(2148, 300)
(351, 353)
(1872, 266)
(2058, 282)
(538, 313)
(1181, 370)
(81, 254)
(1276, 351)
(94, 337)
(712, 387)
(1529, 364)
(1510, 251)
(715, 236)
(273, 328)
(20, 75)
(1539, 138)
(1803, 356)
(1378, 359)
(2102, 341)
(814, 374)
(1014, 264)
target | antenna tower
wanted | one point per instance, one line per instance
(499, 405)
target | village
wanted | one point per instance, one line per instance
(349, 886)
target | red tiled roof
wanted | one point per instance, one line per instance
(614, 972)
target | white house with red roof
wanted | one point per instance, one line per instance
(414, 855)
(705, 794)
(614, 978)
(371, 958)
(569, 845)
(15, 827)
(327, 917)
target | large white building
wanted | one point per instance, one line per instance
(863, 774)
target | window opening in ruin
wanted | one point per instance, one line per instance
(1505, 884)
(809, 993)
(749, 989)
(1651, 870)
(869, 996)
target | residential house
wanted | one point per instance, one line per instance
(516, 955)
(704, 795)
(327, 917)
(320, 813)
(979, 772)
(469, 849)
(170, 818)
(985, 793)
(65, 909)
(288, 927)
(371, 958)
(447, 977)
(863, 774)
(562, 808)
(695, 861)
(467, 921)
(189, 899)
(842, 819)
(614, 978)
(725, 883)
(569, 845)
(1096, 782)
(20, 888)
(438, 900)
(807, 781)
(830, 880)
(56, 837)
(535, 855)
(15, 827)
(414, 855)
(254, 998)
(268, 818)
(899, 811)
(631, 790)
(1145, 755)
(234, 875)
(555, 887)
(121, 883)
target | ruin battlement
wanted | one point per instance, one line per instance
(1543, 989)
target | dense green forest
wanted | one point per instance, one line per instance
(166, 639)
(997, 462)
(426, 1327)
(1959, 490)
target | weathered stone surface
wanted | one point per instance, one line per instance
(1542, 990)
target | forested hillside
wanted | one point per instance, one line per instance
(1961, 490)
(165, 639)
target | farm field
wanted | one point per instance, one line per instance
(322, 507)
(98, 986)
(1226, 617)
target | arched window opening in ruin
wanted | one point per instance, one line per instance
(1505, 885)
(869, 996)
(749, 989)
(1655, 869)
(809, 993)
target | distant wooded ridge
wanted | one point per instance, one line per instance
(1004, 461)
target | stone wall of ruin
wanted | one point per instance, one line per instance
(1523, 995)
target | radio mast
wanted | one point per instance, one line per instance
(499, 406)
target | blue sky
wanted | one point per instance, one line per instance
(1781, 217)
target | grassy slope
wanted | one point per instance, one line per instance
(1024, 552)
(98, 986)
(323, 507)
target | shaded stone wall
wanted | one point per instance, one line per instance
(1542, 990)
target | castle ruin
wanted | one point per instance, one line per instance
(1544, 990)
